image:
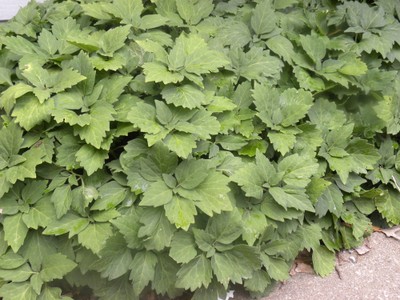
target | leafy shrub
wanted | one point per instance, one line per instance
(190, 145)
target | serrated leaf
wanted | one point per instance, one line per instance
(388, 204)
(192, 11)
(192, 54)
(111, 194)
(158, 72)
(143, 269)
(190, 173)
(181, 143)
(277, 268)
(115, 258)
(62, 199)
(255, 64)
(55, 267)
(225, 227)
(263, 19)
(128, 11)
(297, 170)
(323, 260)
(187, 95)
(101, 114)
(39, 215)
(211, 196)
(283, 109)
(281, 46)
(331, 200)
(156, 229)
(157, 194)
(28, 112)
(10, 260)
(235, 264)
(15, 231)
(291, 198)
(17, 291)
(181, 212)
(128, 225)
(195, 274)
(183, 247)
(70, 222)
(114, 39)
(94, 236)
(90, 158)
(19, 274)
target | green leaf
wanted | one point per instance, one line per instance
(101, 114)
(52, 293)
(17, 291)
(181, 212)
(39, 215)
(192, 54)
(48, 42)
(94, 236)
(56, 266)
(70, 222)
(225, 227)
(183, 247)
(255, 224)
(283, 109)
(62, 199)
(128, 11)
(187, 95)
(281, 46)
(314, 46)
(115, 258)
(156, 229)
(388, 205)
(28, 112)
(19, 274)
(190, 173)
(255, 64)
(325, 115)
(128, 225)
(15, 231)
(158, 72)
(180, 143)
(142, 270)
(10, 260)
(157, 194)
(310, 236)
(297, 170)
(283, 141)
(165, 276)
(263, 19)
(323, 260)
(211, 196)
(192, 11)
(235, 264)
(36, 247)
(277, 268)
(114, 39)
(90, 158)
(331, 200)
(296, 198)
(195, 274)
(111, 194)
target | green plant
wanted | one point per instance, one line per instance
(190, 145)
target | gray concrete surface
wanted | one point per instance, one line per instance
(374, 275)
(8, 8)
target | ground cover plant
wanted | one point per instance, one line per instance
(185, 146)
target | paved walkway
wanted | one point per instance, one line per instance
(373, 275)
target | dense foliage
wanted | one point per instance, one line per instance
(191, 145)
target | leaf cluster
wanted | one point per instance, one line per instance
(191, 145)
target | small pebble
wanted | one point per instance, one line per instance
(353, 259)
